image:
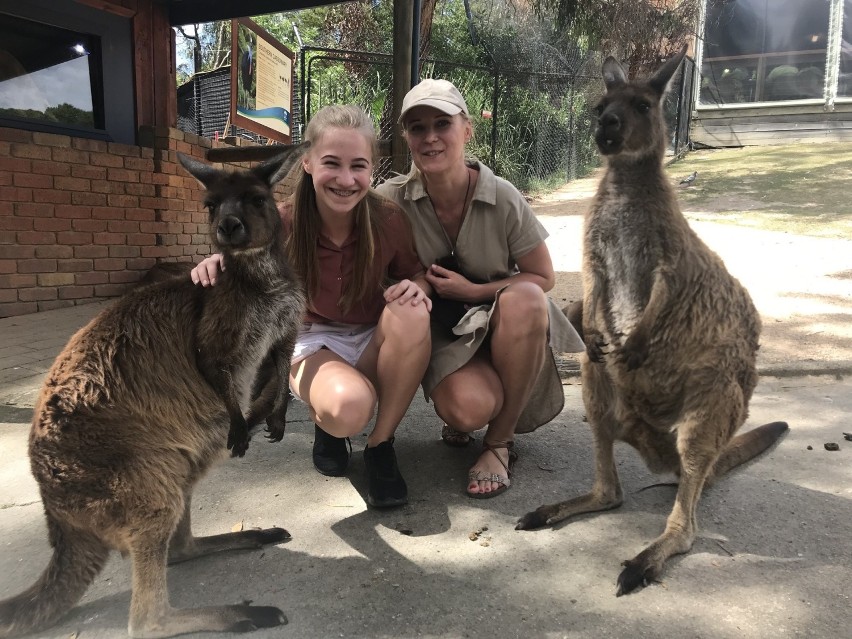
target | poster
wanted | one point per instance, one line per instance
(261, 81)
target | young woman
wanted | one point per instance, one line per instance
(492, 324)
(363, 348)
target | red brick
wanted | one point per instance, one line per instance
(73, 238)
(36, 266)
(123, 149)
(6, 208)
(36, 237)
(15, 252)
(91, 278)
(16, 194)
(73, 212)
(16, 223)
(17, 281)
(51, 168)
(104, 186)
(124, 201)
(51, 139)
(107, 213)
(138, 164)
(15, 135)
(110, 264)
(70, 156)
(110, 290)
(153, 202)
(7, 237)
(122, 250)
(51, 305)
(56, 279)
(141, 215)
(91, 251)
(123, 226)
(8, 266)
(141, 239)
(15, 165)
(141, 263)
(55, 251)
(122, 175)
(5, 178)
(30, 151)
(98, 146)
(52, 224)
(106, 160)
(51, 195)
(92, 226)
(109, 238)
(147, 190)
(88, 199)
(74, 266)
(71, 184)
(18, 308)
(155, 251)
(32, 180)
(8, 295)
(88, 171)
(32, 209)
(75, 292)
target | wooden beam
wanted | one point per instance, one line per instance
(260, 153)
(123, 8)
(403, 25)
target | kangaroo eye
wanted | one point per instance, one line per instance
(599, 109)
(643, 107)
(259, 201)
(211, 207)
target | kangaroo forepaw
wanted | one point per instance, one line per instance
(275, 427)
(238, 440)
(634, 352)
(595, 346)
(257, 617)
(636, 574)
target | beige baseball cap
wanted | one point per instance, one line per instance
(439, 94)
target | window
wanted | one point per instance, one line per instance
(49, 74)
(66, 68)
(764, 51)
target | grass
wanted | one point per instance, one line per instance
(800, 188)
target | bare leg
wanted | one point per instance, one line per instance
(396, 360)
(518, 338)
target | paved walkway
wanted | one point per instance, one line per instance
(772, 559)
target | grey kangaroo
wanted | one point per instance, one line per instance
(145, 398)
(671, 336)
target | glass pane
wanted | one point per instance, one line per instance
(49, 74)
(844, 85)
(764, 50)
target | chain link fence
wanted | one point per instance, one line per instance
(533, 124)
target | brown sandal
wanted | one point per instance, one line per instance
(505, 482)
(455, 438)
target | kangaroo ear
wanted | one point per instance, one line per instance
(202, 172)
(660, 80)
(277, 168)
(613, 73)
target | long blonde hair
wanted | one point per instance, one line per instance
(302, 243)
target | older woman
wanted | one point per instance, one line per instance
(493, 327)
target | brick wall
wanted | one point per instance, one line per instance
(82, 220)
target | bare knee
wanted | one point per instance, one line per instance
(345, 409)
(466, 409)
(404, 322)
(522, 309)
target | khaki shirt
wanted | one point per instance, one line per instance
(499, 228)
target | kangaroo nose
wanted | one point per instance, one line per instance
(609, 120)
(231, 230)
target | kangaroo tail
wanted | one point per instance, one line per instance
(77, 559)
(747, 446)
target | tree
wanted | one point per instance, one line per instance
(639, 32)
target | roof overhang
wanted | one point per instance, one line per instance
(197, 11)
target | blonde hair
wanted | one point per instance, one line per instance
(302, 243)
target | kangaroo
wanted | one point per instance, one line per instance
(145, 398)
(671, 336)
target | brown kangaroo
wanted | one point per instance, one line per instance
(144, 399)
(671, 336)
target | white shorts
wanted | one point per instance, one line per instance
(349, 341)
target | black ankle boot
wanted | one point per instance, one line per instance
(385, 485)
(331, 455)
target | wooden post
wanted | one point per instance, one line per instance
(403, 24)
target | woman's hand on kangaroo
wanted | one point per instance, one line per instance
(449, 284)
(405, 291)
(206, 271)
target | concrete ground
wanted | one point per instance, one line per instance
(772, 558)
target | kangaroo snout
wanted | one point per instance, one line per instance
(231, 231)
